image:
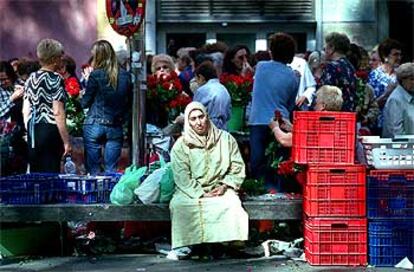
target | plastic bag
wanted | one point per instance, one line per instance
(158, 186)
(167, 185)
(123, 191)
(149, 190)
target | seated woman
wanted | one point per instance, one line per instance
(208, 170)
(328, 98)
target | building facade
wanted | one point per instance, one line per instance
(172, 24)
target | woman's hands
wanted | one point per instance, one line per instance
(18, 93)
(273, 125)
(67, 149)
(218, 191)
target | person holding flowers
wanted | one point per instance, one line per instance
(74, 112)
(213, 95)
(275, 88)
(165, 96)
(328, 98)
(237, 77)
(236, 61)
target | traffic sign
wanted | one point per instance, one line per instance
(125, 16)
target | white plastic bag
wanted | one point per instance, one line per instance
(149, 190)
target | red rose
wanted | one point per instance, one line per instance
(173, 75)
(177, 84)
(72, 86)
(286, 168)
(166, 86)
(361, 74)
(173, 104)
(151, 82)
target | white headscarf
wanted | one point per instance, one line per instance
(191, 137)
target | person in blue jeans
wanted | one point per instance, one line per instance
(107, 97)
(275, 88)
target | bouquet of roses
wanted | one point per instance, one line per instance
(164, 88)
(74, 111)
(361, 81)
(177, 105)
(285, 167)
(239, 87)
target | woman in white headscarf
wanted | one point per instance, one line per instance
(208, 170)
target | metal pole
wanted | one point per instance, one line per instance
(138, 68)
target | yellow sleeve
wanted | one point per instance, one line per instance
(237, 173)
(180, 165)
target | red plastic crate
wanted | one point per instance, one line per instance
(324, 137)
(335, 191)
(336, 241)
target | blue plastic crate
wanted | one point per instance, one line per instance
(88, 189)
(35, 188)
(390, 194)
(390, 242)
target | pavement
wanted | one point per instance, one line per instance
(156, 262)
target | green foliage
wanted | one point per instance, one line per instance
(74, 117)
(271, 154)
(253, 187)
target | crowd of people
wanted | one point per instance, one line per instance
(207, 165)
(35, 95)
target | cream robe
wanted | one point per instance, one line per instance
(197, 170)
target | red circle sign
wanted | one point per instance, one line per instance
(125, 16)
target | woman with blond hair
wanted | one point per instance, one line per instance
(44, 111)
(328, 98)
(108, 97)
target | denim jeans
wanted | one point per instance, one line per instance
(95, 138)
(260, 137)
(259, 140)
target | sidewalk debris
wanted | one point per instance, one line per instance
(289, 249)
(405, 264)
(162, 248)
(271, 197)
(179, 253)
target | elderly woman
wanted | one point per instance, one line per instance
(44, 110)
(208, 170)
(328, 98)
(383, 79)
(338, 71)
(162, 64)
(316, 62)
(374, 58)
(399, 109)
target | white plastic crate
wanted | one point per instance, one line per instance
(389, 153)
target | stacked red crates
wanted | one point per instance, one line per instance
(335, 227)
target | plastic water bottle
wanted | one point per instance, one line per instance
(70, 167)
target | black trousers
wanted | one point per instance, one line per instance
(47, 153)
